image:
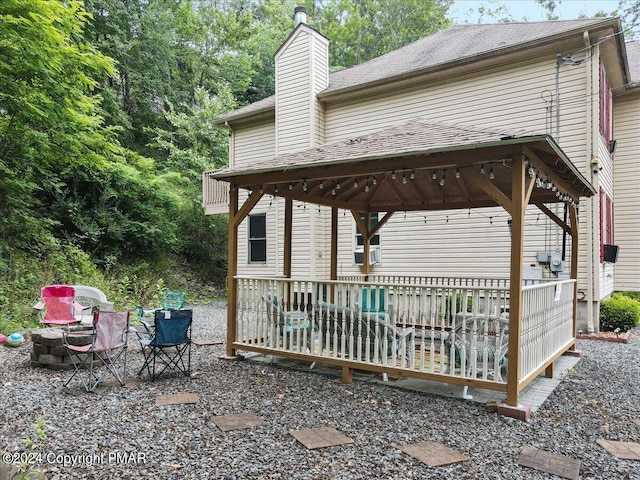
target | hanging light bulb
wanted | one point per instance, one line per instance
(290, 186)
(549, 184)
(337, 185)
(532, 171)
(275, 189)
(321, 185)
(457, 173)
(261, 188)
(375, 181)
(366, 186)
(355, 183)
(434, 175)
(491, 175)
(304, 184)
(413, 174)
(482, 169)
(444, 173)
(538, 182)
(393, 174)
(404, 177)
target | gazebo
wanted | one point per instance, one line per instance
(497, 334)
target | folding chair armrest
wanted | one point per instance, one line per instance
(39, 306)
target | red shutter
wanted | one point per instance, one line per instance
(609, 221)
(602, 206)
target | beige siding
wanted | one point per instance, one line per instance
(274, 211)
(605, 181)
(301, 73)
(627, 196)
(253, 144)
(293, 92)
(475, 243)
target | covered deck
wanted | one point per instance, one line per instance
(496, 334)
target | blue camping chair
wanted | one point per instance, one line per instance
(169, 346)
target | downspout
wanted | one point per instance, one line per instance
(558, 60)
(589, 201)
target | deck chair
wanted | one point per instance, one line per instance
(58, 305)
(483, 354)
(169, 347)
(107, 353)
(287, 326)
(170, 301)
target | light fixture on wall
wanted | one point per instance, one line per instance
(612, 146)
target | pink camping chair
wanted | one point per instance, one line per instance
(58, 305)
(107, 353)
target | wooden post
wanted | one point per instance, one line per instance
(333, 274)
(288, 218)
(366, 240)
(515, 293)
(573, 218)
(232, 283)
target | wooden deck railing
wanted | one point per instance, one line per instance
(547, 327)
(453, 331)
(215, 195)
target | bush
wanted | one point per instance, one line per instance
(620, 311)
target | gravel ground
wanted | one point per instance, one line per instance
(117, 426)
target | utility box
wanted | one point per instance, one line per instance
(555, 262)
(542, 257)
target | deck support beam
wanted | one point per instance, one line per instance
(518, 203)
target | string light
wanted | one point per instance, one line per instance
(337, 185)
(404, 177)
(304, 184)
(457, 173)
(413, 174)
(275, 188)
(482, 169)
(366, 186)
(434, 175)
(393, 174)
(442, 181)
(375, 180)
(321, 185)
(355, 183)
(261, 188)
(290, 186)
(491, 175)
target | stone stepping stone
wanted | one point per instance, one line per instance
(560, 465)
(433, 454)
(320, 437)
(237, 421)
(621, 450)
(177, 399)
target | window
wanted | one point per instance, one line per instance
(375, 240)
(374, 243)
(258, 238)
(606, 107)
(606, 222)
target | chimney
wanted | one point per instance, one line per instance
(299, 16)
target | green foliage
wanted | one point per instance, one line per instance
(620, 311)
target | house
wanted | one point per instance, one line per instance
(482, 152)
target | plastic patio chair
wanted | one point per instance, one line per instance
(169, 344)
(170, 301)
(58, 305)
(487, 348)
(292, 325)
(107, 352)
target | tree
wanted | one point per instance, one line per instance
(49, 121)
